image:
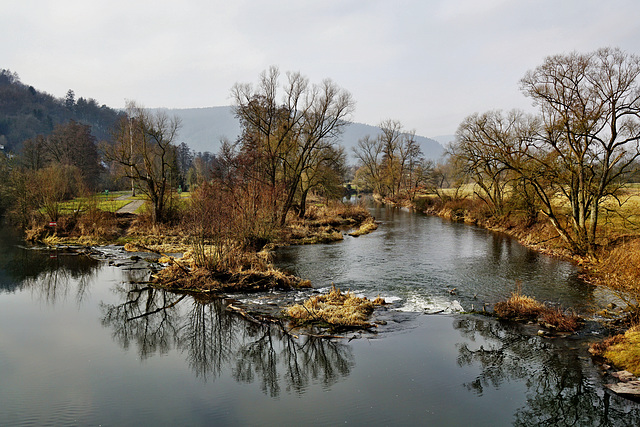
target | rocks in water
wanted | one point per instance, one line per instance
(624, 376)
(629, 384)
(631, 388)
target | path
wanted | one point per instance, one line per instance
(130, 207)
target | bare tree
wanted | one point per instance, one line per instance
(590, 112)
(486, 150)
(145, 152)
(390, 161)
(369, 153)
(283, 135)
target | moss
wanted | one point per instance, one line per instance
(624, 351)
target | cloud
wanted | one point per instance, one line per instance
(425, 63)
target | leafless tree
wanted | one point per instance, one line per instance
(145, 152)
(589, 140)
(284, 133)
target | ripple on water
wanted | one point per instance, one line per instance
(430, 304)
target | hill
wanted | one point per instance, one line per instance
(26, 112)
(204, 128)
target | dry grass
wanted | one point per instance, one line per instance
(336, 309)
(323, 223)
(255, 275)
(622, 213)
(524, 308)
(619, 270)
(368, 226)
(519, 307)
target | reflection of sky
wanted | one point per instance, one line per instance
(18, 263)
(415, 256)
(60, 365)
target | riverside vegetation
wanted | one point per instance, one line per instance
(280, 183)
(562, 181)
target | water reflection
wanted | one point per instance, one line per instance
(50, 274)
(559, 390)
(215, 341)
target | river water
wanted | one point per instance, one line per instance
(86, 342)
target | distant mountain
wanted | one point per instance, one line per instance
(355, 131)
(444, 140)
(203, 129)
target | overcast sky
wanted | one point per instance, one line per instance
(427, 63)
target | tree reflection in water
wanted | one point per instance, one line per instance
(51, 275)
(559, 392)
(215, 340)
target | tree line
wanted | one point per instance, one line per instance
(240, 196)
(26, 112)
(571, 157)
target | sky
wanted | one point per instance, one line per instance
(426, 63)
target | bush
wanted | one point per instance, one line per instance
(336, 309)
(521, 307)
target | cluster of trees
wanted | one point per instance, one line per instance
(48, 148)
(145, 153)
(26, 112)
(572, 156)
(287, 149)
(392, 164)
(49, 170)
(289, 138)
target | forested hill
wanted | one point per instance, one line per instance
(26, 112)
(204, 128)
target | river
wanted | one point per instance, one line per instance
(86, 342)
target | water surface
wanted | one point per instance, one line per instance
(86, 342)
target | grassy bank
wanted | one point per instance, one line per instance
(615, 265)
(210, 264)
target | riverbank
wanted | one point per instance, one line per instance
(615, 266)
(194, 263)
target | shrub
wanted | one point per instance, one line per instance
(522, 307)
(336, 309)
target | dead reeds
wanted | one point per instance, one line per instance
(335, 309)
(366, 227)
(520, 307)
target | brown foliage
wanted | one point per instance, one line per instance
(226, 222)
(556, 319)
(619, 270)
(521, 307)
(336, 309)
